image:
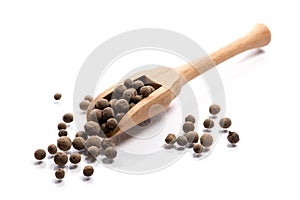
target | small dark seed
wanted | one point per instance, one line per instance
(182, 141)
(112, 123)
(170, 139)
(188, 126)
(40, 154)
(206, 140)
(62, 132)
(52, 149)
(225, 122)
(214, 109)
(192, 137)
(64, 143)
(78, 143)
(61, 125)
(198, 148)
(75, 158)
(102, 103)
(89, 98)
(60, 173)
(208, 123)
(88, 170)
(233, 137)
(61, 158)
(57, 96)
(190, 118)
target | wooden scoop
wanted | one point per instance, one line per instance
(168, 81)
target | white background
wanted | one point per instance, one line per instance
(43, 45)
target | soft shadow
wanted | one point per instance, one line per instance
(251, 54)
(169, 146)
(56, 167)
(39, 164)
(107, 161)
(197, 155)
(206, 130)
(58, 181)
(190, 146)
(206, 150)
(87, 179)
(72, 167)
(223, 131)
(213, 117)
(231, 145)
(50, 157)
(180, 148)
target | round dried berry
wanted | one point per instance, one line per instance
(233, 137)
(129, 94)
(108, 112)
(188, 126)
(198, 148)
(75, 158)
(192, 137)
(119, 116)
(206, 140)
(40, 154)
(208, 123)
(145, 91)
(190, 118)
(128, 83)
(62, 132)
(52, 149)
(137, 84)
(60, 173)
(78, 143)
(61, 125)
(89, 98)
(118, 91)
(81, 134)
(61, 158)
(170, 139)
(182, 141)
(225, 122)
(137, 98)
(122, 105)
(92, 128)
(88, 171)
(83, 105)
(214, 109)
(57, 96)
(102, 103)
(64, 143)
(112, 123)
(68, 118)
(93, 141)
(107, 142)
(110, 152)
(93, 151)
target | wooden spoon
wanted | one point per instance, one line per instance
(168, 81)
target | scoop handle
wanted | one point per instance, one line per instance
(258, 37)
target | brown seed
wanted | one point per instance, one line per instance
(78, 143)
(108, 113)
(40, 154)
(93, 151)
(137, 84)
(68, 118)
(206, 140)
(93, 141)
(145, 91)
(190, 118)
(62, 132)
(214, 109)
(198, 148)
(188, 126)
(107, 142)
(64, 143)
(181, 140)
(92, 128)
(137, 98)
(52, 149)
(104, 128)
(111, 152)
(61, 158)
(113, 103)
(81, 134)
(129, 94)
(208, 123)
(192, 137)
(57, 96)
(233, 137)
(102, 103)
(60, 173)
(118, 91)
(61, 125)
(95, 115)
(128, 83)
(112, 123)
(151, 88)
(170, 139)
(88, 170)
(119, 116)
(225, 122)
(122, 105)
(75, 158)
(89, 98)
(83, 105)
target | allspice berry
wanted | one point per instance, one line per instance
(60, 173)
(61, 125)
(208, 123)
(93, 141)
(92, 128)
(122, 105)
(190, 118)
(61, 158)
(62, 132)
(64, 143)
(145, 91)
(128, 83)
(188, 126)
(88, 170)
(129, 94)
(102, 103)
(192, 137)
(89, 98)
(198, 148)
(78, 143)
(137, 98)
(182, 140)
(109, 112)
(83, 105)
(52, 149)
(112, 123)
(81, 134)
(119, 116)
(225, 122)
(110, 152)
(40, 154)
(214, 109)
(112, 103)
(95, 115)
(170, 139)
(118, 91)
(107, 142)
(68, 118)
(93, 151)
(233, 137)
(57, 96)
(75, 158)
(138, 84)
(206, 140)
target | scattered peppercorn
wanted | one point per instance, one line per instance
(107, 142)
(68, 118)
(62, 132)
(92, 128)
(108, 112)
(102, 103)
(145, 91)
(61, 158)
(198, 148)
(83, 105)
(188, 126)
(61, 125)
(104, 128)
(95, 115)
(137, 98)
(89, 98)
(208, 123)
(64, 143)
(119, 116)
(110, 152)
(137, 84)
(52, 149)
(233, 137)
(206, 140)
(93, 151)
(93, 141)
(81, 134)
(60, 173)
(57, 96)
(75, 158)
(181, 140)
(112, 123)
(118, 91)
(225, 122)
(129, 94)
(40, 154)
(88, 170)
(122, 105)
(112, 103)
(190, 118)
(128, 83)
(78, 143)
(170, 139)
(192, 137)
(214, 109)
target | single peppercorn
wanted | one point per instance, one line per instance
(93, 141)
(188, 126)
(95, 115)
(225, 122)
(208, 123)
(61, 125)
(182, 140)
(104, 128)
(82, 134)
(108, 113)
(78, 143)
(233, 137)
(137, 84)
(61, 158)
(92, 128)
(93, 151)
(129, 94)
(118, 91)
(52, 149)
(60, 173)
(111, 152)
(206, 140)
(192, 137)
(119, 116)
(40, 154)
(198, 148)
(151, 88)
(170, 139)
(107, 142)
(102, 103)
(62, 132)
(64, 143)
(57, 96)
(122, 105)
(75, 158)
(89, 98)
(214, 109)
(137, 98)
(190, 118)
(68, 118)
(145, 91)
(88, 170)
(83, 105)
(128, 83)
(112, 123)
